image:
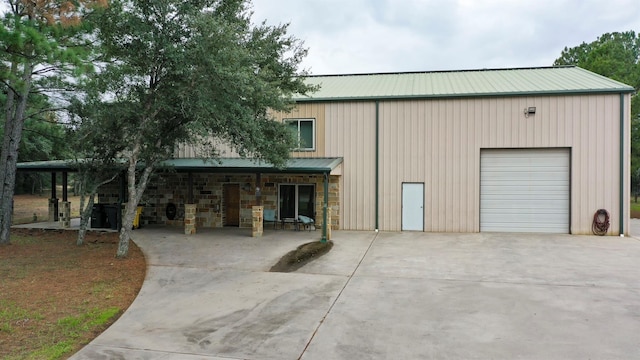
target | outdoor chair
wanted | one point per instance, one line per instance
(269, 216)
(307, 222)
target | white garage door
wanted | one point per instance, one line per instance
(525, 190)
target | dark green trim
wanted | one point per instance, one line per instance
(234, 170)
(622, 157)
(377, 186)
(469, 96)
(324, 207)
(298, 166)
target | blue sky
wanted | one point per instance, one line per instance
(362, 36)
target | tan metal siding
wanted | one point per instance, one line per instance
(188, 151)
(308, 111)
(350, 133)
(438, 142)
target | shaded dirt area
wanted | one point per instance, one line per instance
(45, 277)
(27, 206)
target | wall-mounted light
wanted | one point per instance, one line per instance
(528, 111)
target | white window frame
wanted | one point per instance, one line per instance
(297, 200)
(313, 134)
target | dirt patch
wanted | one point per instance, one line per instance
(295, 259)
(45, 280)
(35, 208)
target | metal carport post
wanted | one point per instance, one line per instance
(324, 207)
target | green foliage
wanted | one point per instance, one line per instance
(178, 72)
(617, 56)
(43, 47)
(614, 55)
(43, 138)
(186, 72)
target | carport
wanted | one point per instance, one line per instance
(252, 172)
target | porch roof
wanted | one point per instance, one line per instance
(223, 165)
(239, 165)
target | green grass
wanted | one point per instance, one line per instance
(55, 351)
(635, 209)
(12, 315)
(62, 335)
(72, 326)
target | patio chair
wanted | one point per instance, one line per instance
(307, 222)
(269, 216)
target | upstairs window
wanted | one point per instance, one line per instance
(305, 133)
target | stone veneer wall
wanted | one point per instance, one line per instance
(207, 195)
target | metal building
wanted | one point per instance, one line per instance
(518, 150)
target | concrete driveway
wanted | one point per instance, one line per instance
(382, 296)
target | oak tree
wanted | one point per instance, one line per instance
(196, 72)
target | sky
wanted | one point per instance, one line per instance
(372, 36)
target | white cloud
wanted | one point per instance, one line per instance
(356, 36)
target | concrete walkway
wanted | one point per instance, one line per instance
(382, 296)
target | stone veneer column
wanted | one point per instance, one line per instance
(258, 225)
(189, 219)
(53, 210)
(65, 214)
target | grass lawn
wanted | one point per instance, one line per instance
(635, 209)
(55, 297)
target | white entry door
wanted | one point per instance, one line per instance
(413, 206)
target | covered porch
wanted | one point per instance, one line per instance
(230, 192)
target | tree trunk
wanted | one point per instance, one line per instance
(135, 192)
(16, 104)
(84, 180)
(85, 215)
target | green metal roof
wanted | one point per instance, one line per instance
(240, 165)
(466, 83)
(224, 165)
(50, 165)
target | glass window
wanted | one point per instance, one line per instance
(296, 200)
(304, 131)
(287, 200)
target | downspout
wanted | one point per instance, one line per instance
(377, 185)
(324, 208)
(622, 164)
